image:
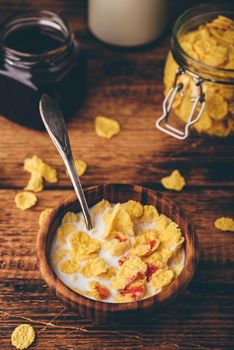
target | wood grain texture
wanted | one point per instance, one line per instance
(126, 85)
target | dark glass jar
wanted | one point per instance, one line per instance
(39, 54)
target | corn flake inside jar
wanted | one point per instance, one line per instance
(133, 252)
(212, 44)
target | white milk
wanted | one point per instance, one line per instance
(127, 22)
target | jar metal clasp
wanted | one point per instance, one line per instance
(168, 103)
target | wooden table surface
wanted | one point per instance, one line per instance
(126, 85)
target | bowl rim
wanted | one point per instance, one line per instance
(62, 291)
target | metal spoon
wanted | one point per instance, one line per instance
(53, 120)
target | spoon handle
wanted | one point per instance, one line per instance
(53, 120)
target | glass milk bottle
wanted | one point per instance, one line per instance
(127, 22)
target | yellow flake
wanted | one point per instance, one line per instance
(204, 124)
(35, 183)
(101, 206)
(98, 291)
(161, 278)
(44, 215)
(83, 246)
(161, 222)
(94, 267)
(145, 244)
(49, 173)
(23, 336)
(224, 224)
(110, 272)
(81, 167)
(106, 127)
(69, 267)
(176, 261)
(70, 217)
(25, 200)
(128, 272)
(171, 236)
(117, 219)
(134, 209)
(174, 182)
(216, 106)
(37, 165)
(116, 248)
(150, 214)
(58, 255)
(63, 231)
(160, 257)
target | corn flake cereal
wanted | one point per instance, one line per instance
(94, 267)
(35, 183)
(161, 278)
(37, 165)
(44, 215)
(98, 291)
(106, 127)
(70, 217)
(69, 267)
(132, 252)
(212, 44)
(23, 336)
(25, 200)
(63, 231)
(101, 206)
(224, 224)
(131, 269)
(134, 209)
(174, 182)
(83, 246)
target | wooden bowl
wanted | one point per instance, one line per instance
(100, 311)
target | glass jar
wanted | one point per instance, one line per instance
(200, 95)
(39, 54)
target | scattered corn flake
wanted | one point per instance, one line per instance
(94, 267)
(25, 200)
(63, 231)
(132, 268)
(98, 291)
(81, 167)
(23, 336)
(35, 183)
(70, 217)
(37, 165)
(134, 209)
(174, 182)
(106, 127)
(224, 224)
(69, 267)
(101, 206)
(44, 215)
(161, 278)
